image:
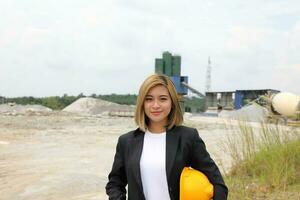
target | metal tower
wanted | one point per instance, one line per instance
(208, 77)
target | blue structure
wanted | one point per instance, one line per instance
(239, 96)
(177, 82)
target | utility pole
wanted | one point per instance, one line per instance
(208, 76)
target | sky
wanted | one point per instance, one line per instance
(57, 47)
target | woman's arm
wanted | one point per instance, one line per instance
(202, 161)
(117, 179)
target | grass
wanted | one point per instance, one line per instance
(265, 163)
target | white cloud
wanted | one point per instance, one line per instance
(96, 46)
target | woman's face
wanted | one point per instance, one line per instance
(157, 105)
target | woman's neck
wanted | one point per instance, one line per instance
(157, 128)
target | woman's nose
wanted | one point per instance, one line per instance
(156, 104)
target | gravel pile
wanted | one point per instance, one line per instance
(14, 109)
(92, 106)
(253, 113)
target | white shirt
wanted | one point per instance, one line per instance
(153, 167)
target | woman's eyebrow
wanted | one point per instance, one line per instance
(162, 95)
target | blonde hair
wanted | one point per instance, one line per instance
(175, 117)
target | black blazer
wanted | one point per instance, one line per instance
(184, 147)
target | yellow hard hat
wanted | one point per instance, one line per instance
(194, 185)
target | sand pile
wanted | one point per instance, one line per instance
(14, 109)
(92, 106)
(253, 113)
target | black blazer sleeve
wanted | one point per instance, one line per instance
(115, 187)
(202, 161)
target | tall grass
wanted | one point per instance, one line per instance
(264, 159)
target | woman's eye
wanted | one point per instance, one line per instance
(148, 99)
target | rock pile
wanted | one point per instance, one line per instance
(15, 109)
(93, 106)
(253, 113)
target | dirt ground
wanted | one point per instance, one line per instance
(60, 156)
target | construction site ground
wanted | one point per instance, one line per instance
(67, 156)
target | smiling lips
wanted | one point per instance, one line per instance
(155, 113)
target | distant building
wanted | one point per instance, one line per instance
(229, 100)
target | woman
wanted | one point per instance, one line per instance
(150, 159)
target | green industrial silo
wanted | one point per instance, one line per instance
(159, 66)
(167, 57)
(176, 63)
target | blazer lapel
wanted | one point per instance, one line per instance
(171, 149)
(135, 152)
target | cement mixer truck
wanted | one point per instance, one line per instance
(287, 104)
(282, 106)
